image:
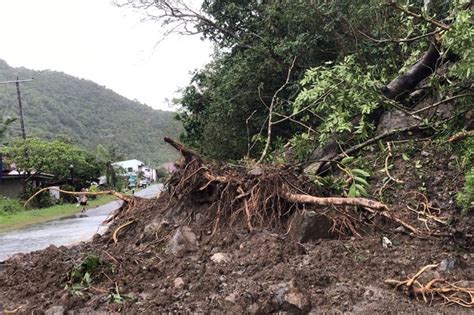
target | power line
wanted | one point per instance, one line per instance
(16, 81)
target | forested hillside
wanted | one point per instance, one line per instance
(57, 105)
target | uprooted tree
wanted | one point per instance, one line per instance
(312, 82)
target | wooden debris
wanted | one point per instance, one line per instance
(461, 135)
(436, 288)
(81, 193)
(115, 234)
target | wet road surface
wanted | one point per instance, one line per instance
(64, 231)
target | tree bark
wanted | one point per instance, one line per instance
(418, 72)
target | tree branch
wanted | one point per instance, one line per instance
(270, 112)
(418, 16)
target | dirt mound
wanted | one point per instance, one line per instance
(221, 239)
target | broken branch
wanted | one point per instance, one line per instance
(340, 201)
(81, 193)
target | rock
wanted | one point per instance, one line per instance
(257, 171)
(291, 298)
(55, 310)
(391, 120)
(448, 264)
(220, 258)
(231, 298)
(424, 153)
(179, 283)
(183, 240)
(310, 226)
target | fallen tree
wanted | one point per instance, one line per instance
(262, 196)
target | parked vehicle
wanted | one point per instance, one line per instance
(143, 183)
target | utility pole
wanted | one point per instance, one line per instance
(22, 122)
(17, 83)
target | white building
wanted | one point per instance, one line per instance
(135, 167)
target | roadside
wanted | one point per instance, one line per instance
(67, 230)
(24, 218)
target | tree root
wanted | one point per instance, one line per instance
(424, 210)
(81, 193)
(461, 135)
(115, 234)
(267, 198)
(435, 288)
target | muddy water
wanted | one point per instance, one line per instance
(65, 231)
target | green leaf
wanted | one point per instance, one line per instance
(360, 172)
(361, 181)
(347, 160)
(87, 278)
(361, 190)
(405, 157)
(352, 191)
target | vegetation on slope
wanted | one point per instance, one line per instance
(301, 76)
(57, 105)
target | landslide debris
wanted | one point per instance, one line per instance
(228, 239)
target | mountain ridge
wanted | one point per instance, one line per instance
(59, 105)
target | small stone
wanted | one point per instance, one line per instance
(424, 153)
(55, 310)
(231, 298)
(183, 240)
(179, 283)
(220, 258)
(310, 226)
(400, 229)
(291, 298)
(448, 264)
(256, 171)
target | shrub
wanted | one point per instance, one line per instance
(9, 206)
(42, 200)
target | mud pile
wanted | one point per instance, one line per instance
(226, 239)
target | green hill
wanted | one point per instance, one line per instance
(60, 105)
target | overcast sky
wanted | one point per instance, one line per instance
(94, 40)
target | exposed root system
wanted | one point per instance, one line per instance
(437, 288)
(263, 196)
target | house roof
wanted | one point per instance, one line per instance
(16, 174)
(129, 163)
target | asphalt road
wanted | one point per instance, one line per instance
(65, 231)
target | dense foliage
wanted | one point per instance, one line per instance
(9, 206)
(344, 51)
(59, 106)
(66, 162)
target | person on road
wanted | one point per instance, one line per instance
(83, 200)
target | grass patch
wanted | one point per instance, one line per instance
(18, 217)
